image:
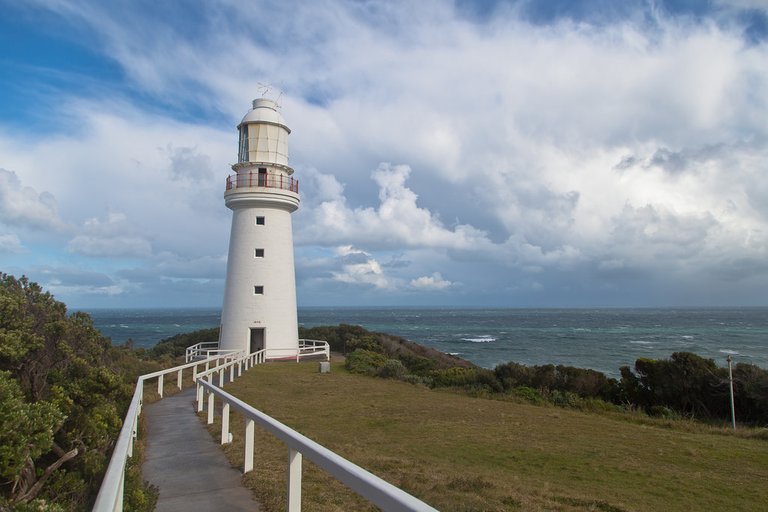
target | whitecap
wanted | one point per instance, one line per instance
(727, 351)
(454, 353)
(641, 342)
(482, 339)
(124, 326)
(686, 337)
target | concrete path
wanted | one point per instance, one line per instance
(184, 462)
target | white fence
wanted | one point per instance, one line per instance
(379, 492)
(205, 350)
(110, 497)
(306, 348)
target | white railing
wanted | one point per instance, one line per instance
(205, 350)
(379, 492)
(376, 490)
(306, 348)
(110, 497)
(314, 348)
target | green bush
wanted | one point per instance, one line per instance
(391, 369)
(364, 361)
(417, 380)
(661, 411)
(528, 394)
(565, 399)
(176, 346)
(468, 378)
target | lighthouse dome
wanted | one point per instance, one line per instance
(265, 111)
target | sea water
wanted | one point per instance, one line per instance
(602, 339)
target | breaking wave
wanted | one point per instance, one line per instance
(481, 339)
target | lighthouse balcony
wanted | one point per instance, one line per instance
(261, 180)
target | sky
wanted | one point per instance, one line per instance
(584, 153)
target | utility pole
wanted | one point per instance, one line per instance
(730, 382)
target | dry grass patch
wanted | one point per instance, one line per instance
(459, 453)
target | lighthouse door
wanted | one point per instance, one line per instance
(257, 339)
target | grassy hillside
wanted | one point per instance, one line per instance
(460, 453)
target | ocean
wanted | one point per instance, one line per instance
(601, 339)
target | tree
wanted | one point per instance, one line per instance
(685, 382)
(62, 397)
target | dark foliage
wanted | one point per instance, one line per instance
(176, 346)
(685, 385)
(63, 392)
(694, 386)
(580, 381)
(418, 359)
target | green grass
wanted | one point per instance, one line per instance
(459, 453)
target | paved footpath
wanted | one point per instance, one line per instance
(184, 462)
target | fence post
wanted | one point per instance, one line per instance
(249, 434)
(133, 436)
(225, 423)
(120, 493)
(199, 398)
(231, 372)
(210, 407)
(160, 386)
(294, 480)
(221, 377)
(178, 380)
(141, 395)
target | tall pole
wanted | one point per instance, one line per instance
(730, 382)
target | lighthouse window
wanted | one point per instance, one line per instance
(258, 290)
(243, 156)
(259, 221)
(258, 253)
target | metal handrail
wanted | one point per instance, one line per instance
(267, 179)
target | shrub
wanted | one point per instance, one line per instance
(391, 369)
(468, 378)
(565, 399)
(528, 394)
(661, 411)
(364, 361)
(417, 379)
(176, 346)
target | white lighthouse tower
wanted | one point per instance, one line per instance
(260, 293)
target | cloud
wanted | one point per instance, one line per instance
(188, 163)
(10, 243)
(358, 267)
(433, 282)
(65, 280)
(540, 153)
(168, 265)
(24, 207)
(397, 221)
(111, 238)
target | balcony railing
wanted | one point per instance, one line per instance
(267, 179)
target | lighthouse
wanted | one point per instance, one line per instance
(259, 310)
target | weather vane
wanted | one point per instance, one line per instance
(265, 89)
